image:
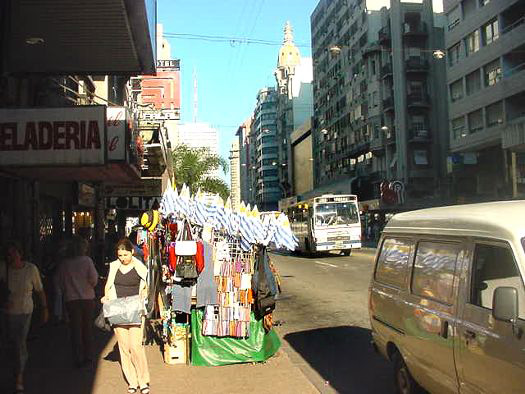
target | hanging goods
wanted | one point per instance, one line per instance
(264, 288)
(124, 310)
(185, 250)
(199, 257)
(150, 219)
(172, 257)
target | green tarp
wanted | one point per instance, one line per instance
(214, 351)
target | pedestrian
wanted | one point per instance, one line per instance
(22, 279)
(127, 277)
(77, 278)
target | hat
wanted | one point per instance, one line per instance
(150, 219)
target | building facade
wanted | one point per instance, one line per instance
(294, 103)
(246, 162)
(235, 181)
(263, 137)
(485, 42)
(379, 101)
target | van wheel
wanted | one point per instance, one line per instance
(405, 383)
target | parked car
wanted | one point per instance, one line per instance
(447, 298)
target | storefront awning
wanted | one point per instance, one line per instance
(80, 36)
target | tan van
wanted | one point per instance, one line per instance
(447, 298)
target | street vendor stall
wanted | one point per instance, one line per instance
(211, 281)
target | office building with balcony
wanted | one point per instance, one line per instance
(247, 165)
(266, 160)
(379, 102)
(485, 43)
(235, 181)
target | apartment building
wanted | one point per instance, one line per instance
(379, 102)
(235, 182)
(246, 162)
(485, 43)
(266, 150)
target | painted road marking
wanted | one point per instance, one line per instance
(327, 264)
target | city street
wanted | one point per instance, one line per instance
(324, 320)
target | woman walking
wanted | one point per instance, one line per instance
(127, 277)
(77, 278)
(22, 278)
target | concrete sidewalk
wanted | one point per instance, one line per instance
(50, 371)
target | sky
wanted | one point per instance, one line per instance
(230, 72)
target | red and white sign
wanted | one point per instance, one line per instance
(72, 136)
(118, 128)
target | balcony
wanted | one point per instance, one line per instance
(391, 136)
(377, 144)
(416, 64)
(414, 29)
(418, 100)
(388, 104)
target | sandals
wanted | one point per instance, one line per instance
(145, 390)
(132, 390)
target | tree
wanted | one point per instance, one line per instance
(192, 166)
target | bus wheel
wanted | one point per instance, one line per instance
(308, 248)
(347, 252)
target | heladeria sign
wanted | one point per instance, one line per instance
(72, 136)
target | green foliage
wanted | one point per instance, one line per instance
(192, 166)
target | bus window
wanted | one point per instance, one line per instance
(330, 214)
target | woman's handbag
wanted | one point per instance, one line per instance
(124, 310)
(185, 250)
(101, 322)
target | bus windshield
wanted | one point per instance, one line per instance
(331, 214)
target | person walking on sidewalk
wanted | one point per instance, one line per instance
(22, 279)
(127, 277)
(77, 278)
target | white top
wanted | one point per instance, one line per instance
(22, 282)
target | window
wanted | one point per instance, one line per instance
(475, 121)
(494, 266)
(434, 268)
(469, 8)
(454, 17)
(483, 2)
(490, 32)
(473, 82)
(456, 90)
(421, 157)
(472, 42)
(393, 262)
(453, 54)
(458, 127)
(492, 72)
(418, 122)
(494, 114)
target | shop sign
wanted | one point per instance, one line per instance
(173, 64)
(141, 203)
(146, 188)
(72, 136)
(119, 126)
(161, 114)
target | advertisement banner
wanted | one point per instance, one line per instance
(71, 136)
(146, 188)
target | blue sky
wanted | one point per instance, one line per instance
(229, 75)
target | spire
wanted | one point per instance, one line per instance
(288, 33)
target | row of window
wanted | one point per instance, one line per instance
(490, 73)
(476, 121)
(464, 10)
(435, 265)
(472, 43)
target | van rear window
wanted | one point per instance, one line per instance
(393, 262)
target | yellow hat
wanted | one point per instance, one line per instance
(150, 219)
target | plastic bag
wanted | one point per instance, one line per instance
(124, 310)
(101, 322)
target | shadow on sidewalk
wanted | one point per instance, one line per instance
(50, 366)
(344, 357)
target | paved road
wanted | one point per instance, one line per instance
(324, 310)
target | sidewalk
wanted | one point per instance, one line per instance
(49, 370)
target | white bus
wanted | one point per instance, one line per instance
(326, 223)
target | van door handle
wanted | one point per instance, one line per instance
(444, 329)
(469, 334)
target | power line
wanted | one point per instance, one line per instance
(229, 39)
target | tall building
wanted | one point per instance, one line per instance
(266, 160)
(294, 103)
(379, 102)
(485, 43)
(235, 182)
(198, 135)
(247, 162)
